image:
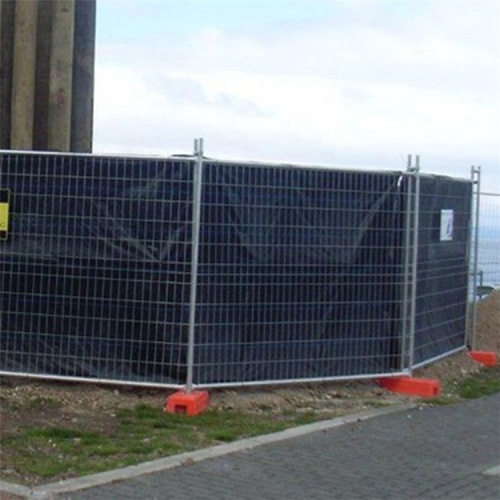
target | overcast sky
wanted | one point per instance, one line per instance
(340, 83)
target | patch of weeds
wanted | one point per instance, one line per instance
(48, 452)
(163, 424)
(376, 403)
(483, 383)
(142, 433)
(60, 434)
(305, 418)
(222, 435)
(39, 401)
(442, 400)
(264, 407)
(146, 412)
(46, 468)
(141, 448)
(105, 450)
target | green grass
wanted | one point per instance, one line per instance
(442, 400)
(376, 403)
(49, 402)
(142, 433)
(484, 383)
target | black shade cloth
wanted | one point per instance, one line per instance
(300, 270)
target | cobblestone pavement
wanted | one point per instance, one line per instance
(445, 452)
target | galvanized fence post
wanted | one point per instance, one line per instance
(195, 242)
(476, 198)
(407, 274)
(411, 263)
(416, 229)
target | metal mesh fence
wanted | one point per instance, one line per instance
(95, 269)
(300, 274)
(488, 243)
(186, 271)
(485, 261)
(442, 268)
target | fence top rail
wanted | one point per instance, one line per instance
(243, 162)
(338, 168)
(484, 193)
(124, 156)
(304, 166)
(192, 158)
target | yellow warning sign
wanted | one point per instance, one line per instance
(4, 213)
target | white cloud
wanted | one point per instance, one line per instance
(368, 84)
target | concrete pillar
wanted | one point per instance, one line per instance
(44, 45)
(23, 75)
(6, 57)
(82, 116)
(61, 75)
(47, 74)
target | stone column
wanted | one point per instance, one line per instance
(47, 74)
(82, 115)
(23, 75)
(6, 57)
(44, 47)
(61, 75)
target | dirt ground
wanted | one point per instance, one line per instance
(93, 407)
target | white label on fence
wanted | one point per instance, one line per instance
(446, 233)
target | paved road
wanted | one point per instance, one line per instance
(450, 452)
(447, 452)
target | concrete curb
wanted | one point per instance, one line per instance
(494, 471)
(185, 459)
(14, 489)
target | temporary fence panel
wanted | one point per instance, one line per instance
(295, 273)
(488, 243)
(485, 257)
(95, 267)
(299, 275)
(442, 267)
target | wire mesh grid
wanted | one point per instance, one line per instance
(442, 268)
(485, 260)
(488, 243)
(300, 274)
(95, 268)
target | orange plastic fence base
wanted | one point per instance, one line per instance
(486, 358)
(424, 387)
(185, 403)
